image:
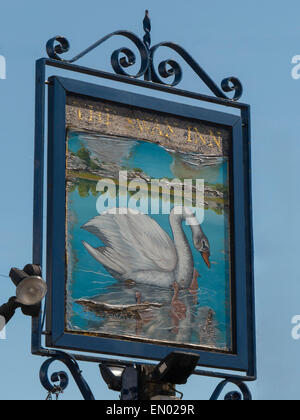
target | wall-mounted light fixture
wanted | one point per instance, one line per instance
(30, 291)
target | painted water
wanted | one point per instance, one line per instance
(206, 318)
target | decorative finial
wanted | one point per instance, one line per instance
(147, 29)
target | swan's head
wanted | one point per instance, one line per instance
(201, 242)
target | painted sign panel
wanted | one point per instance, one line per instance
(146, 262)
(142, 232)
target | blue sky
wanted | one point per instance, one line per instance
(254, 41)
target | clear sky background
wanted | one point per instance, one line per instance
(254, 41)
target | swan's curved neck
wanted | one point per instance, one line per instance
(185, 265)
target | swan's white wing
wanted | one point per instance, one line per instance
(134, 242)
(154, 242)
(105, 258)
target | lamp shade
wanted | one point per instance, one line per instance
(31, 290)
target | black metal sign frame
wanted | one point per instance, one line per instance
(122, 59)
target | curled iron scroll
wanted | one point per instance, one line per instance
(60, 380)
(60, 45)
(172, 68)
(245, 393)
(124, 57)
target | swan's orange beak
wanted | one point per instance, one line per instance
(205, 256)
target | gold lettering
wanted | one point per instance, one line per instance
(157, 127)
(146, 127)
(217, 141)
(171, 131)
(130, 122)
(107, 120)
(202, 138)
(189, 139)
(140, 125)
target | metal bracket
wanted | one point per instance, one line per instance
(62, 377)
(232, 396)
(124, 58)
(130, 382)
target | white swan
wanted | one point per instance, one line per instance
(138, 249)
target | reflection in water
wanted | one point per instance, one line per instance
(158, 317)
(192, 166)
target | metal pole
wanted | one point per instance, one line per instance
(8, 310)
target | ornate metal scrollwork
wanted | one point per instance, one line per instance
(124, 58)
(60, 45)
(60, 380)
(228, 85)
(245, 393)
